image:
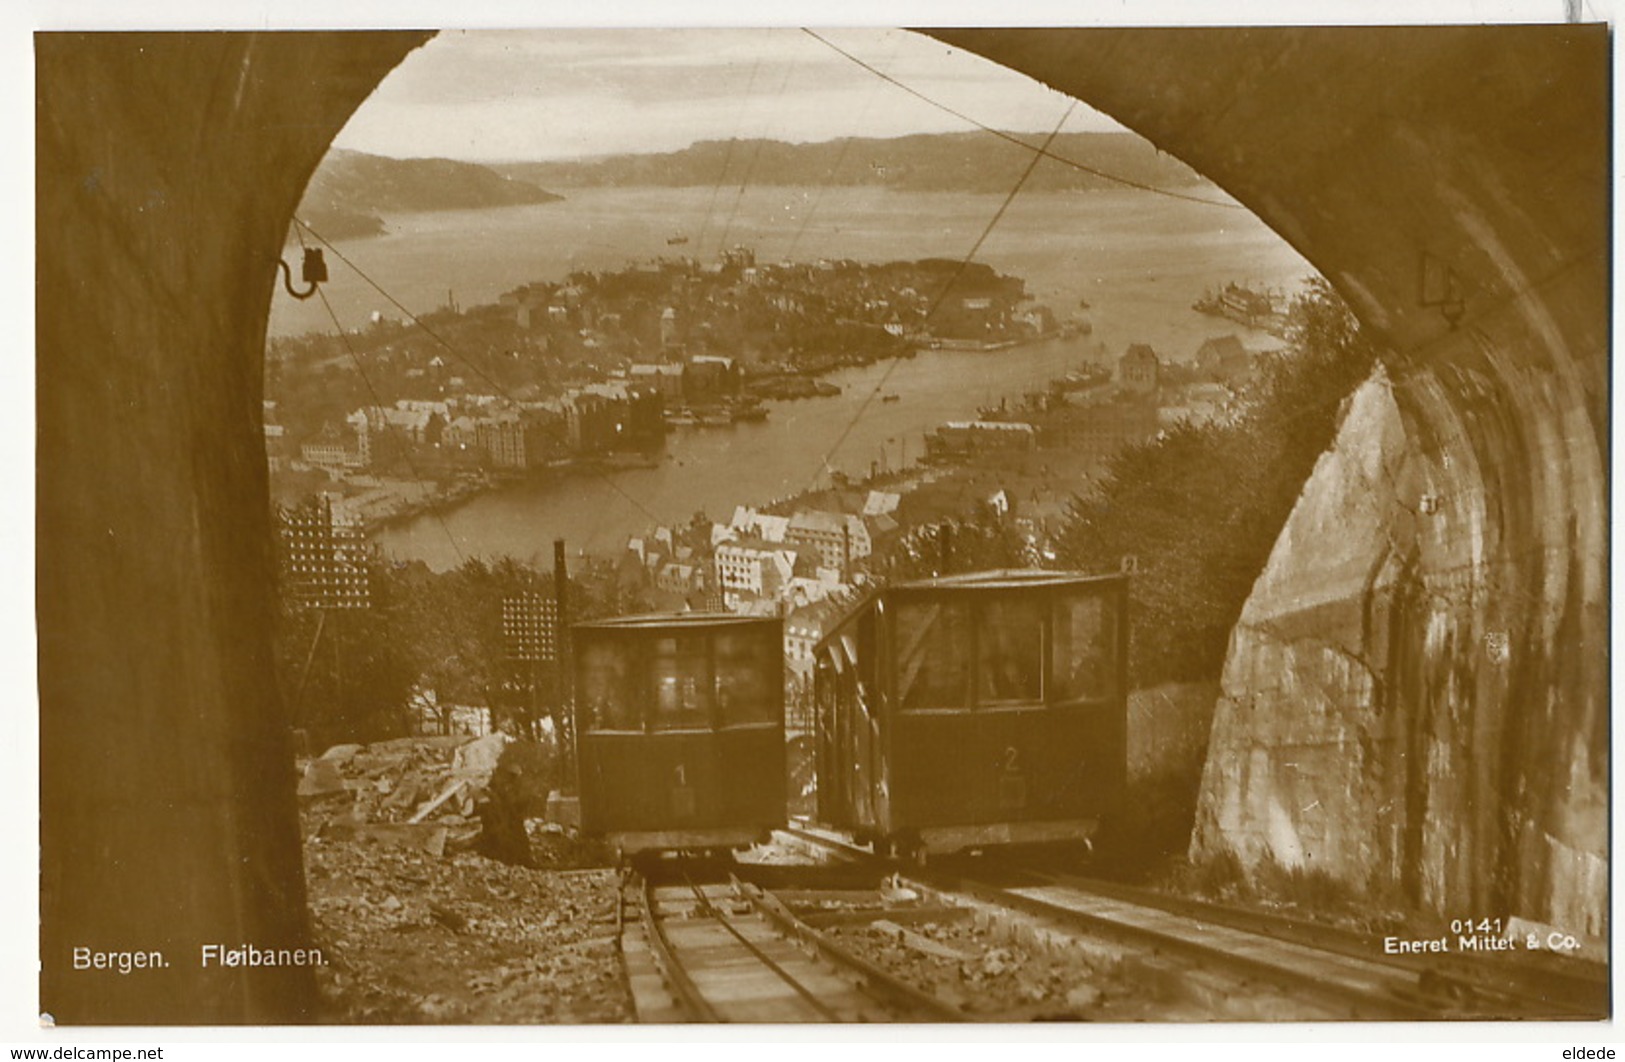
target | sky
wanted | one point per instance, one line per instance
(568, 93)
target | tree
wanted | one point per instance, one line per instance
(982, 540)
(353, 681)
(451, 625)
(1199, 508)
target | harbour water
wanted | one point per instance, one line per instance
(1129, 263)
(712, 470)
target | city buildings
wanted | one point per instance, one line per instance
(1137, 370)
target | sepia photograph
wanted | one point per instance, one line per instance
(610, 525)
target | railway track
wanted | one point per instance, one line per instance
(1343, 973)
(1528, 986)
(1344, 987)
(736, 953)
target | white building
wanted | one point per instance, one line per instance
(751, 568)
(881, 503)
(765, 526)
(839, 538)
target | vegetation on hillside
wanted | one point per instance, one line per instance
(351, 189)
(1199, 508)
(428, 641)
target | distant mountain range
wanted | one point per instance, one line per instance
(352, 192)
(351, 189)
(956, 162)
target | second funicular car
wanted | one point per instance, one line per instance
(974, 710)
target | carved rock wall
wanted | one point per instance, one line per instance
(1408, 703)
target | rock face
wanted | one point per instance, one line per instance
(1416, 695)
(1409, 701)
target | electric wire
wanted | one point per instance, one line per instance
(379, 405)
(417, 476)
(1044, 150)
(818, 200)
(727, 156)
(415, 319)
(460, 356)
(1038, 152)
(942, 294)
(834, 172)
(750, 166)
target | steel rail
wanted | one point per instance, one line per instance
(682, 986)
(896, 991)
(1587, 997)
(1368, 1004)
(761, 956)
(839, 847)
(1526, 985)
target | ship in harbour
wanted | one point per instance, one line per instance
(1262, 310)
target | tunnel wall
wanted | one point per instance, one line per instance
(168, 166)
(1415, 700)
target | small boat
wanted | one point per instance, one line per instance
(891, 398)
(676, 241)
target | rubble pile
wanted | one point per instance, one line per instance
(968, 966)
(407, 779)
(418, 926)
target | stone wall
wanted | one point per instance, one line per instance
(168, 168)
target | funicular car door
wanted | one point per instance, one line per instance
(1088, 662)
(748, 665)
(834, 800)
(876, 711)
(931, 745)
(855, 728)
(1013, 740)
(682, 762)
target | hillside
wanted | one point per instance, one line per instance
(351, 190)
(960, 162)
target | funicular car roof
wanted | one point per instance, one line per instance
(1006, 578)
(992, 579)
(658, 620)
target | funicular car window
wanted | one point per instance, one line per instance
(824, 692)
(933, 655)
(681, 670)
(1084, 653)
(745, 669)
(607, 699)
(868, 657)
(1010, 650)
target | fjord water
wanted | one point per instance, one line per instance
(1138, 260)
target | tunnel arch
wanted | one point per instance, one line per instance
(168, 166)
(1426, 650)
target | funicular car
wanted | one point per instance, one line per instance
(680, 731)
(974, 711)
